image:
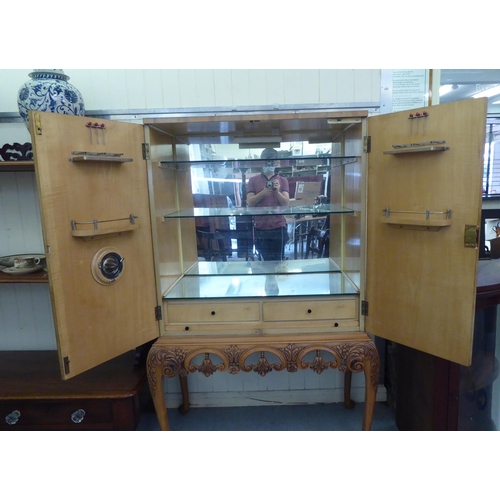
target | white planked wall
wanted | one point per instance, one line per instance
(25, 312)
(192, 88)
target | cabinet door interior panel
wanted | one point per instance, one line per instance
(421, 283)
(96, 319)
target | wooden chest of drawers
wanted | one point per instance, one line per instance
(33, 396)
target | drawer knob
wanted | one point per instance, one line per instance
(213, 313)
(78, 416)
(309, 311)
(13, 417)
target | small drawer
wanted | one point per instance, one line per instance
(310, 310)
(203, 312)
(63, 415)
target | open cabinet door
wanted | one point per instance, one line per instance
(421, 268)
(101, 274)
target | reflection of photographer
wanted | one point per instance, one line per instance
(269, 190)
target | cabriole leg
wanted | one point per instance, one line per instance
(371, 370)
(155, 380)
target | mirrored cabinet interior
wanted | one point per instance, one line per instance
(222, 252)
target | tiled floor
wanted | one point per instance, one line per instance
(320, 417)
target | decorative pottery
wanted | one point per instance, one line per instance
(49, 90)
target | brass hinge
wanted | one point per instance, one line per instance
(471, 236)
(158, 314)
(367, 143)
(66, 365)
(145, 151)
(38, 125)
(364, 308)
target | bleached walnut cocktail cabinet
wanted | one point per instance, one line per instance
(133, 255)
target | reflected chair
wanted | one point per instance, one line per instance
(317, 243)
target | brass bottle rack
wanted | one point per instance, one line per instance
(82, 156)
(100, 232)
(418, 147)
(405, 222)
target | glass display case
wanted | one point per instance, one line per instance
(230, 263)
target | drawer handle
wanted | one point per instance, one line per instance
(213, 313)
(309, 311)
(78, 416)
(13, 417)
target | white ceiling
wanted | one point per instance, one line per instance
(468, 82)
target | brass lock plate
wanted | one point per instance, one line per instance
(471, 236)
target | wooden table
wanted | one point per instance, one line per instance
(352, 353)
(34, 397)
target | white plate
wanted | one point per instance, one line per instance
(8, 260)
(21, 270)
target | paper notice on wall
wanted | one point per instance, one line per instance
(409, 88)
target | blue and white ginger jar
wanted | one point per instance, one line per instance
(49, 90)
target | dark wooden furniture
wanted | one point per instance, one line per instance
(435, 394)
(33, 396)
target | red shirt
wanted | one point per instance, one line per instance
(255, 185)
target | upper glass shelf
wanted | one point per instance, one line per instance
(299, 210)
(297, 161)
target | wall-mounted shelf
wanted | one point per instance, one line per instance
(38, 277)
(17, 166)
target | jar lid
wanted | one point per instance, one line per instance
(57, 74)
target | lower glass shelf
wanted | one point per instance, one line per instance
(261, 285)
(299, 266)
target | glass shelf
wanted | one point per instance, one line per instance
(255, 286)
(301, 266)
(297, 161)
(299, 210)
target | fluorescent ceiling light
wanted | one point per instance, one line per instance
(444, 89)
(255, 140)
(252, 145)
(489, 92)
(333, 121)
(217, 179)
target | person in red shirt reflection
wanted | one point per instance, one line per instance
(269, 190)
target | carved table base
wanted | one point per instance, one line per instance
(352, 353)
